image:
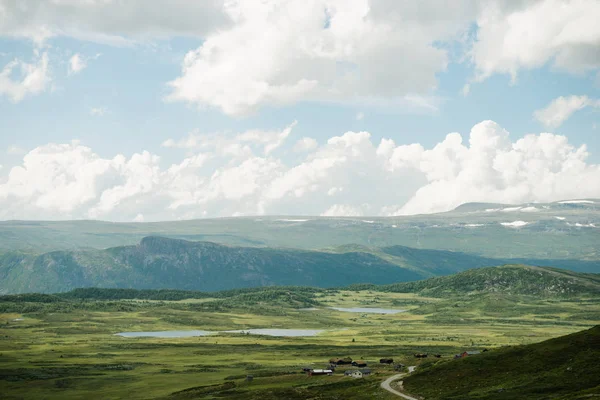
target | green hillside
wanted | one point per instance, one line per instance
(177, 264)
(564, 368)
(163, 263)
(505, 280)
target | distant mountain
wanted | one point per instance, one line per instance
(565, 368)
(164, 263)
(561, 230)
(170, 263)
(507, 280)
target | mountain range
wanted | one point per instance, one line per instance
(560, 230)
(166, 263)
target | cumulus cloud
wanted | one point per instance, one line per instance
(117, 23)
(529, 34)
(276, 53)
(346, 175)
(19, 79)
(561, 109)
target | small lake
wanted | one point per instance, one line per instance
(166, 334)
(267, 332)
(368, 310)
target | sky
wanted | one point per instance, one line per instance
(165, 110)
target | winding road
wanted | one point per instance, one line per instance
(386, 385)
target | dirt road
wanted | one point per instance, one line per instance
(386, 386)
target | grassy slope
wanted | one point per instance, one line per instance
(508, 280)
(562, 368)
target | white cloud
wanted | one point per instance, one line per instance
(561, 109)
(343, 210)
(15, 150)
(77, 64)
(346, 175)
(139, 218)
(19, 79)
(334, 190)
(107, 21)
(276, 53)
(98, 111)
(529, 34)
(240, 145)
(305, 144)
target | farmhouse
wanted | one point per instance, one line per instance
(341, 361)
(357, 374)
(386, 361)
(467, 354)
(359, 363)
(320, 372)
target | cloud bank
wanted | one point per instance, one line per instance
(347, 175)
(262, 53)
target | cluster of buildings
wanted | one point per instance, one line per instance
(360, 371)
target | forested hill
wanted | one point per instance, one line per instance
(507, 279)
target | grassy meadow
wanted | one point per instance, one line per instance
(69, 350)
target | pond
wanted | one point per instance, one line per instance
(267, 332)
(368, 310)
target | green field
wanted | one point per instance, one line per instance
(67, 348)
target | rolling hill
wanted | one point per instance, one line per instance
(507, 280)
(565, 368)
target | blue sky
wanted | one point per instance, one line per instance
(121, 102)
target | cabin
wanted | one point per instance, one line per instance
(341, 361)
(365, 371)
(359, 363)
(420, 355)
(399, 367)
(386, 361)
(348, 372)
(357, 374)
(314, 372)
(307, 369)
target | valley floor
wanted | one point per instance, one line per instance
(72, 352)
